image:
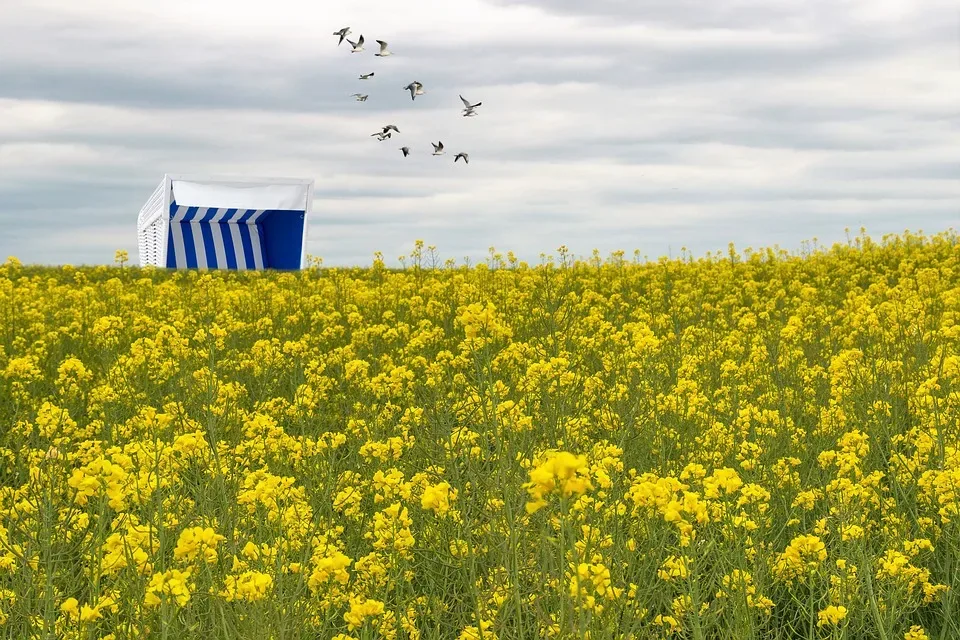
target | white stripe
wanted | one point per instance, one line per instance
(219, 215)
(215, 229)
(198, 245)
(178, 214)
(255, 241)
(253, 219)
(237, 246)
(179, 251)
(216, 232)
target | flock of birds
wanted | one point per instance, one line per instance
(415, 88)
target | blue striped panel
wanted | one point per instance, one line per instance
(215, 238)
(189, 248)
(228, 247)
(171, 250)
(238, 250)
(244, 230)
(219, 251)
(176, 251)
(247, 214)
(256, 239)
(200, 247)
(208, 245)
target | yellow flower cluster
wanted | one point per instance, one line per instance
(391, 530)
(739, 585)
(560, 472)
(173, 585)
(197, 543)
(803, 555)
(249, 586)
(589, 584)
(360, 610)
(831, 615)
(673, 568)
(438, 498)
(753, 443)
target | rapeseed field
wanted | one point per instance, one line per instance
(745, 445)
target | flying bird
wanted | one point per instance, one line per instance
(364, 76)
(357, 46)
(469, 107)
(387, 128)
(381, 136)
(415, 89)
(343, 33)
(438, 148)
(361, 97)
(383, 50)
(466, 158)
(406, 151)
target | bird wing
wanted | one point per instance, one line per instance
(440, 147)
(383, 45)
(360, 41)
(465, 103)
(352, 43)
(413, 92)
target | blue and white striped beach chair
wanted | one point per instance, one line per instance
(226, 223)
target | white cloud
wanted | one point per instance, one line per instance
(657, 126)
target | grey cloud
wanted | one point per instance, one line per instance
(866, 194)
(100, 72)
(690, 13)
(742, 14)
(949, 171)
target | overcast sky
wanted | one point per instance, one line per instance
(608, 124)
